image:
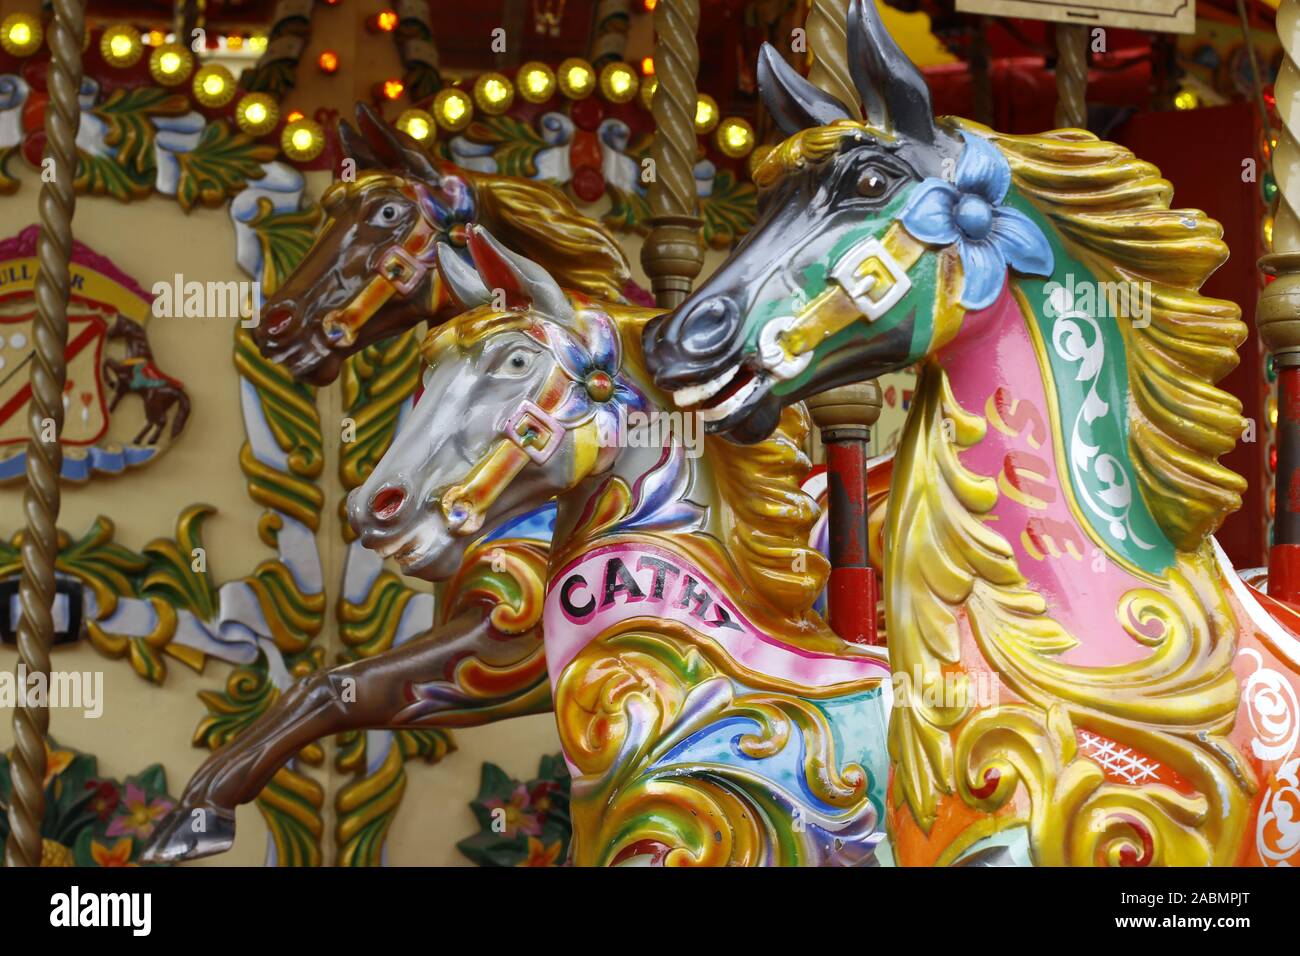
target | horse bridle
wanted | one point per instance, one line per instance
(530, 435)
(865, 283)
(399, 270)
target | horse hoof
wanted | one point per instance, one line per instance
(189, 833)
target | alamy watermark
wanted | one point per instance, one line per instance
(180, 299)
(655, 429)
(75, 690)
(1117, 300)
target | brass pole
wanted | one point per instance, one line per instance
(40, 547)
(1071, 76)
(828, 38)
(1278, 312)
(672, 256)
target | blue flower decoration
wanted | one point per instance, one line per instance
(592, 360)
(989, 236)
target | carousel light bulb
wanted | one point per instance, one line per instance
(416, 124)
(706, 114)
(302, 140)
(618, 82)
(257, 43)
(536, 82)
(385, 21)
(577, 78)
(1186, 100)
(214, 85)
(20, 34)
(156, 38)
(328, 61)
(392, 89)
(453, 109)
(648, 66)
(257, 114)
(735, 137)
(493, 93)
(121, 46)
(170, 64)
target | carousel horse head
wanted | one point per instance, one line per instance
(865, 230)
(371, 272)
(522, 401)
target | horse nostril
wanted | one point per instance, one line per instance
(278, 320)
(387, 502)
(710, 327)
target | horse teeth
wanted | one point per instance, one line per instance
(694, 394)
(723, 409)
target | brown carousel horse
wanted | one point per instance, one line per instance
(137, 374)
(370, 274)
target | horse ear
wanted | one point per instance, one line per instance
(879, 66)
(466, 286)
(393, 148)
(794, 103)
(526, 284)
(356, 148)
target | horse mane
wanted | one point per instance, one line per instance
(1112, 211)
(533, 219)
(538, 221)
(767, 518)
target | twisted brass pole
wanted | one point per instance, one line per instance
(1071, 75)
(828, 38)
(45, 422)
(1278, 311)
(672, 256)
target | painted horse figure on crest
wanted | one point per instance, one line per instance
(708, 716)
(1057, 486)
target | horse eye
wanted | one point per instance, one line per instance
(389, 212)
(872, 183)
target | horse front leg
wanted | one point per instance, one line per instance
(365, 694)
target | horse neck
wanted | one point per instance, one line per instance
(633, 468)
(1062, 489)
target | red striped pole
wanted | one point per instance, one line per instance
(845, 416)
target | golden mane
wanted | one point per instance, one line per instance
(533, 219)
(813, 145)
(1112, 211)
(538, 221)
(767, 518)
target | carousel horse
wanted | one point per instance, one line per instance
(1057, 486)
(370, 273)
(137, 374)
(707, 715)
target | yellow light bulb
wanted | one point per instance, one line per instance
(495, 91)
(256, 114)
(706, 114)
(536, 82)
(302, 139)
(577, 78)
(735, 137)
(453, 109)
(169, 63)
(21, 34)
(618, 82)
(213, 85)
(1186, 100)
